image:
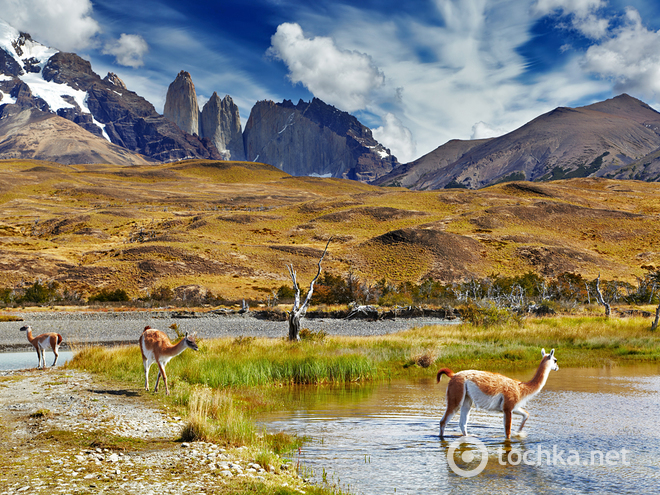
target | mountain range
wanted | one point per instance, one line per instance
(54, 107)
(618, 138)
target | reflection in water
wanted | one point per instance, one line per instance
(23, 360)
(383, 438)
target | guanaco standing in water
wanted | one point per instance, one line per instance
(42, 342)
(492, 392)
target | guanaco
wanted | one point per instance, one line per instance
(43, 341)
(492, 392)
(157, 348)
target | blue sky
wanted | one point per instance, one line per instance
(418, 73)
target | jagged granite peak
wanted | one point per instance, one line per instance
(181, 104)
(314, 138)
(64, 84)
(221, 123)
(114, 79)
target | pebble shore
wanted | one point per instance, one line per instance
(82, 328)
(35, 402)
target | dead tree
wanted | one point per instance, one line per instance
(654, 326)
(600, 297)
(298, 311)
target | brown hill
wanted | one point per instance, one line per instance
(598, 140)
(37, 135)
(232, 227)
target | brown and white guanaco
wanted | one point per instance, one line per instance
(492, 392)
(42, 342)
(157, 348)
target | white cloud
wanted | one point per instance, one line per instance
(578, 7)
(63, 24)
(582, 12)
(343, 78)
(398, 138)
(128, 50)
(630, 57)
(482, 130)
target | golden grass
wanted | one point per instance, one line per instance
(170, 199)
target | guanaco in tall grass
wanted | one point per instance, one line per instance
(157, 348)
(42, 342)
(492, 392)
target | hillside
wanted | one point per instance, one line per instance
(611, 139)
(232, 227)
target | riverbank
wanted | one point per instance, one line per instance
(69, 431)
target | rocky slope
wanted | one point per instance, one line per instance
(313, 138)
(599, 140)
(63, 84)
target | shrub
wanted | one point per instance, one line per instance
(107, 295)
(41, 293)
(486, 315)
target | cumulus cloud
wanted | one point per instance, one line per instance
(67, 25)
(128, 50)
(339, 77)
(398, 138)
(630, 56)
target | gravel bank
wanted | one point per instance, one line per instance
(124, 327)
(35, 402)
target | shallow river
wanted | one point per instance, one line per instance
(589, 431)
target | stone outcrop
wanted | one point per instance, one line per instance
(221, 123)
(313, 138)
(181, 104)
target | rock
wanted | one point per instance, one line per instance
(181, 104)
(314, 139)
(221, 123)
(113, 79)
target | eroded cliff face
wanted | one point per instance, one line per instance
(181, 104)
(221, 123)
(313, 138)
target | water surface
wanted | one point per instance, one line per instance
(376, 439)
(23, 360)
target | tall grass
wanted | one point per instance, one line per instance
(212, 383)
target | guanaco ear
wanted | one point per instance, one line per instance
(552, 353)
(543, 352)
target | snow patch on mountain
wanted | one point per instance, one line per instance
(23, 49)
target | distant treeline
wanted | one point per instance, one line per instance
(527, 292)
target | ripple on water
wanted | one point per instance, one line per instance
(386, 438)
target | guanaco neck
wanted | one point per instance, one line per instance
(538, 380)
(176, 349)
(29, 335)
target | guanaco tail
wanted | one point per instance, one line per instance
(492, 392)
(42, 342)
(157, 348)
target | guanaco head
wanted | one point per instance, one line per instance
(26, 328)
(551, 359)
(190, 341)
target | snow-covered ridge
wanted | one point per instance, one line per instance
(51, 92)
